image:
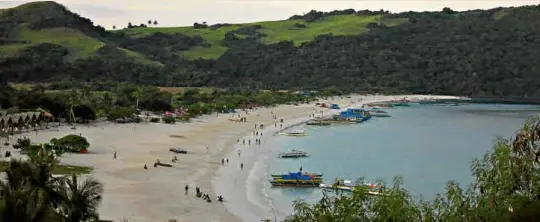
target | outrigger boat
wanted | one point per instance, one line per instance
(294, 133)
(348, 185)
(299, 179)
(379, 113)
(316, 175)
(293, 154)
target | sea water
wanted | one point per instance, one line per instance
(427, 145)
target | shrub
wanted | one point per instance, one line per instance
(72, 143)
(169, 119)
(121, 112)
(154, 120)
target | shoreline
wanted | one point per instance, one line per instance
(252, 209)
(130, 190)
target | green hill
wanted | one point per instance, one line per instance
(34, 23)
(475, 53)
(272, 31)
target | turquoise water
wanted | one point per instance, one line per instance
(426, 145)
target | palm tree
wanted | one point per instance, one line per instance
(137, 94)
(30, 192)
(81, 200)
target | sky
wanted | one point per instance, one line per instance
(185, 12)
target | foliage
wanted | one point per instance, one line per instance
(121, 112)
(72, 143)
(31, 193)
(22, 143)
(507, 188)
(81, 199)
(169, 119)
(446, 52)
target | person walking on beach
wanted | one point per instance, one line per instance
(222, 161)
(244, 141)
(114, 155)
(227, 161)
(187, 188)
(241, 166)
(249, 142)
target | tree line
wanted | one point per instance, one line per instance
(473, 53)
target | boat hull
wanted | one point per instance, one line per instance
(330, 187)
(294, 183)
(315, 175)
(292, 156)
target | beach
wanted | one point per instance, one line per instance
(157, 194)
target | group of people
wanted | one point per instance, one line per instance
(204, 196)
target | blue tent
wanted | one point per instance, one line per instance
(334, 106)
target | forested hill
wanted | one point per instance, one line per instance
(481, 52)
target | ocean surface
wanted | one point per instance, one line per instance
(427, 145)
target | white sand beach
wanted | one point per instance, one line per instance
(157, 194)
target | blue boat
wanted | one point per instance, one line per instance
(353, 115)
(299, 179)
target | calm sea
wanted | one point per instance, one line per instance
(427, 145)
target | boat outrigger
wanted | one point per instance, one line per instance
(294, 133)
(293, 154)
(315, 175)
(318, 123)
(299, 179)
(379, 113)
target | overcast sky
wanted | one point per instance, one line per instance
(185, 12)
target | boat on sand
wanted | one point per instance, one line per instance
(178, 150)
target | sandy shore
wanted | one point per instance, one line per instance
(157, 194)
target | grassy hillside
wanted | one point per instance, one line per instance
(275, 31)
(79, 44)
(49, 22)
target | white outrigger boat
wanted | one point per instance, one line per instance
(347, 185)
(294, 133)
(293, 154)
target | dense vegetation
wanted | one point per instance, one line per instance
(84, 102)
(31, 193)
(507, 188)
(475, 53)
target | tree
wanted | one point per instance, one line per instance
(114, 27)
(155, 22)
(149, 22)
(130, 25)
(137, 93)
(31, 193)
(80, 200)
